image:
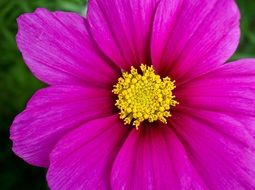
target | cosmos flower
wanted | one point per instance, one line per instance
(140, 96)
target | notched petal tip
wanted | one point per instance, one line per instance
(21, 149)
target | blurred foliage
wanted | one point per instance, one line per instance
(17, 84)
(247, 44)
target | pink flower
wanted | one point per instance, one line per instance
(73, 127)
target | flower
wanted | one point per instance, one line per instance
(106, 120)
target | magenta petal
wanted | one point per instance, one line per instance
(58, 49)
(50, 114)
(224, 159)
(227, 94)
(122, 29)
(215, 120)
(154, 158)
(193, 37)
(83, 158)
(229, 88)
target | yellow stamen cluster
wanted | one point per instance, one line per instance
(144, 96)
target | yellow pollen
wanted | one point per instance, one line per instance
(144, 96)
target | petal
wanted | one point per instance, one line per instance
(222, 157)
(153, 158)
(122, 29)
(58, 49)
(193, 37)
(215, 121)
(83, 158)
(50, 114)
(229, 88)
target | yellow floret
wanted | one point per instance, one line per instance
(144, 96)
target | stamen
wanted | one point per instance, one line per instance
(144, 96)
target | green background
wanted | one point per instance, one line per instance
(17, 84)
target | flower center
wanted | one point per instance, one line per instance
(144, 96)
